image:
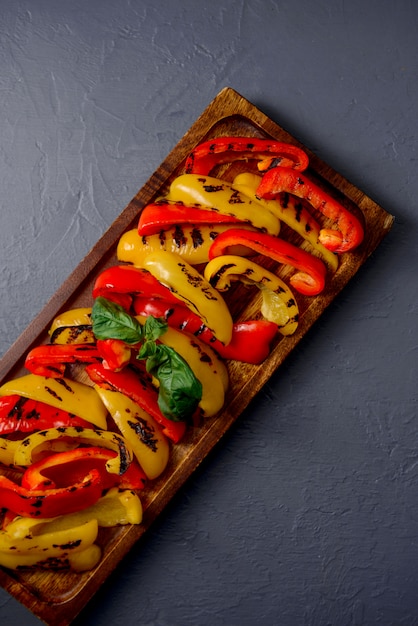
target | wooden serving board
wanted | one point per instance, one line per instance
(57, 598)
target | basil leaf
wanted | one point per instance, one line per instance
(111, 321)
(179, 391)
(154, 327)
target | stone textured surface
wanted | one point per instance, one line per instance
(306, 513)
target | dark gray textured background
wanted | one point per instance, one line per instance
(306, 514)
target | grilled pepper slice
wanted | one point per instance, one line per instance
(291, 211)
(63, 469)
(120, 282)
(162, 214)
(191, 242)
(34, 446)
(62, 393)
(72, 327)
(51, 360)
(116, 507)
(218, 195)
(136, 383)
(149, 445)
(309, 280)
(82, 561)
(279, 305)
(221, 150)
(250, 342)
(194, 290)
(348, 232)
(24, 415)
(51, 502)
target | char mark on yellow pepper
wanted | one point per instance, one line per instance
(189, 286)
(218, 195)
(279, 304)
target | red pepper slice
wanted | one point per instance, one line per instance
(19, 414)
(160, 215)
(63, 469)
(51, 360)
(119, 282)
(250, 342)
(114, 352)
(41, 503)
(309, 280)
(228, 149)
(136, 383)
(349, 233)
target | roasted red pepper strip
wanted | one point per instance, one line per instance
(41, 503)
(115, 353)
(309, 280)
(250, 343)
(136, 383)
(162, 214)
(228, 149)
(349, 233)
(19, 414)
(119, 282)
(51, 360)
(63, 469)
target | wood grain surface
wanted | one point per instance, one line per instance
(57, 598)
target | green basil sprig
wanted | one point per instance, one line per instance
(179, 390)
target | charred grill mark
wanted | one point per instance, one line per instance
(53, 393)
(63, 383)
(145, 432)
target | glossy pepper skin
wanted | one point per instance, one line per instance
(72, 327)
(136, 383)
(218, 195)
(348, 232)
(221, 150)
(250, 342)
(291, 211)
(62, 393)
(28, 450)
(190, 241)
(51, 360)
(160, 215)
(310, 278)
(147, 441)
(62, 469)
(49, 503)
(120, 282)
(279, 305)
(24, 415)
(59, 549)
(189, 286)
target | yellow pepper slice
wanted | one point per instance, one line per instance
(148, 443)
(72, 327)
(279, 304)
(82, 561)
(51, 543)
(194, 290)
(62, 393)
(116, 508)
(291, 211)
(190, 242)
(35, 443)
(218, 195)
